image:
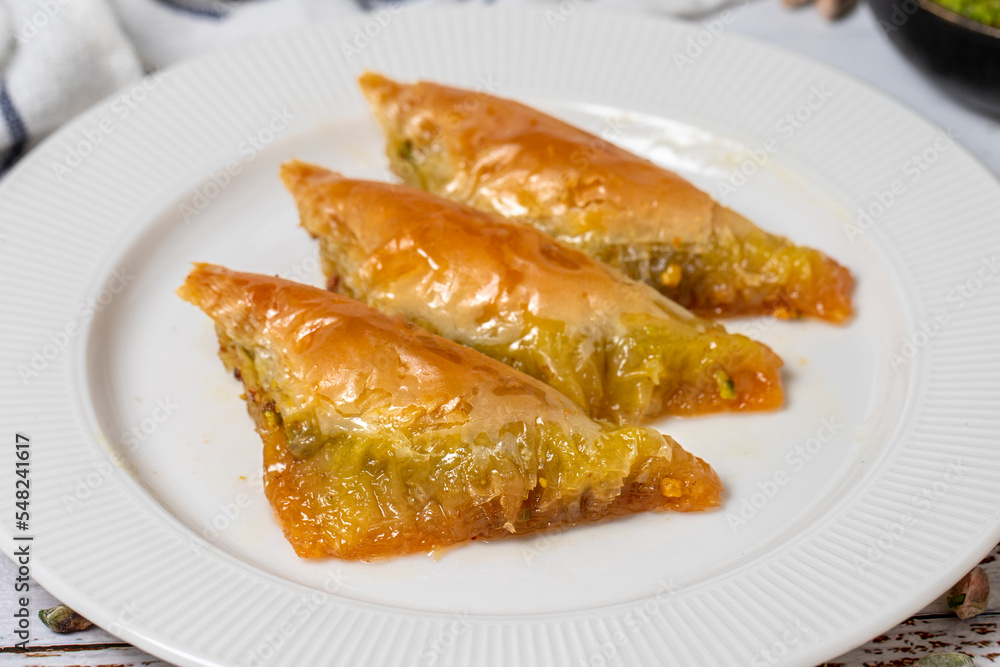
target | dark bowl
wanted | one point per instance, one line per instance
(961, 55)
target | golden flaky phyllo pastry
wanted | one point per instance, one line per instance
(613, 345)
(382, 439)
(504, 157)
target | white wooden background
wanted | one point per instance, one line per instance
(853, 45)
(932, 630)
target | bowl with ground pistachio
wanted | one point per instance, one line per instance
(986, 12)
(955, 42)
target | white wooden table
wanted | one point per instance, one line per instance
(853, 45)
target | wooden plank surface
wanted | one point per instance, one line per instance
(90, 648)
(918, 637)
(98, 656)
(934, 629)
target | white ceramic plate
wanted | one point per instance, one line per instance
(874, 489)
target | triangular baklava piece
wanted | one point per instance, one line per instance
(382, 439)
(501, 156)
(615, 346)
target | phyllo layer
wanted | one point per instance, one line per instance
(615, 346)
(501, 156)
(382, 439)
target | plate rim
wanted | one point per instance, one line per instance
(67, 592)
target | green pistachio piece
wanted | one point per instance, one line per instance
(727, 389)
(62, 619)
(946, 660)
(970, 596)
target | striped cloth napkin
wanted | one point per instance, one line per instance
(58, 57)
